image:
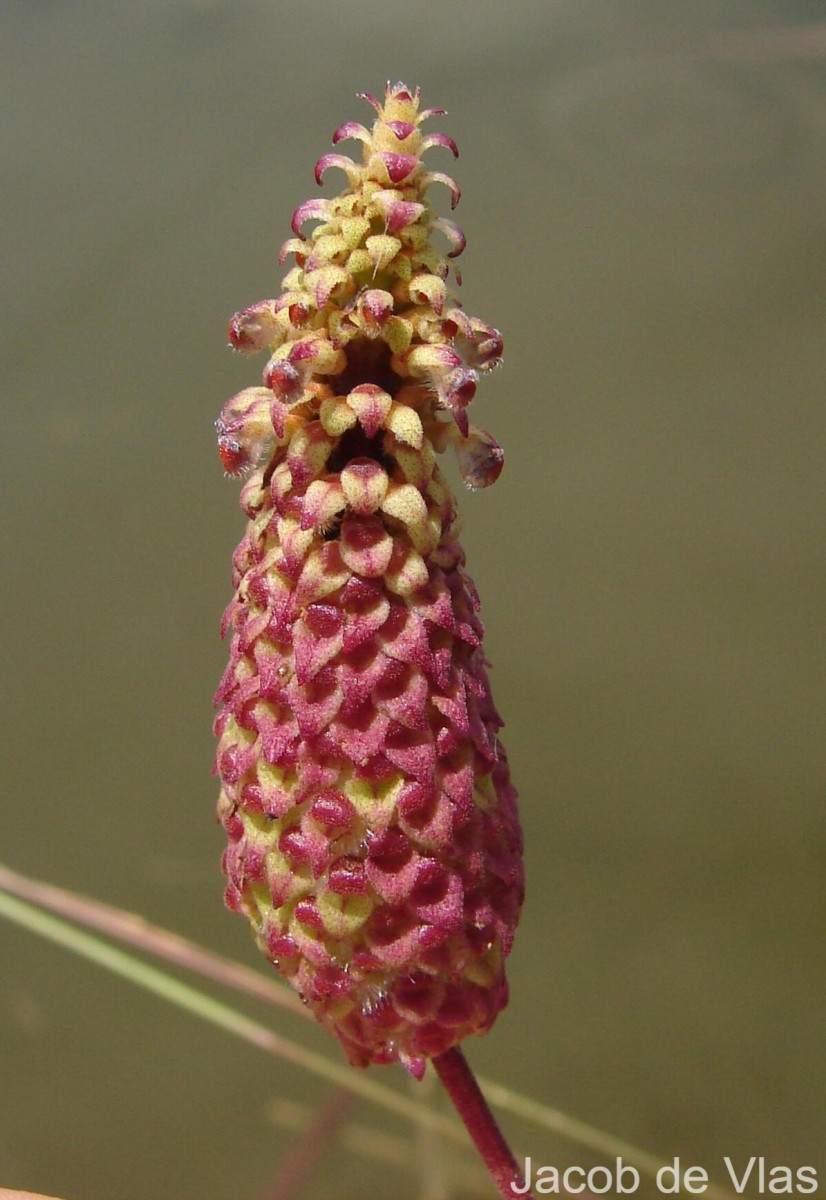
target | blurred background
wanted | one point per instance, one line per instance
(644, 205)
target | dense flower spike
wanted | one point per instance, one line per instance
(374, 843)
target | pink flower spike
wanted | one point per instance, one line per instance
(373, 837)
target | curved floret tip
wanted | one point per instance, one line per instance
(351, 129)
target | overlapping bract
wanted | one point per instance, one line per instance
(374, 843)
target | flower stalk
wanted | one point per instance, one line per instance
(373, 838)
(461, 1085)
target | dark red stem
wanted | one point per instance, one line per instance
(460, 1084)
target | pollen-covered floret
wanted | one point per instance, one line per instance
(374, 844)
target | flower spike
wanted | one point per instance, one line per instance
(373, 838)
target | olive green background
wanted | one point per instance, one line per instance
(644, 205)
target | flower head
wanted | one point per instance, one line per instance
(374, 843)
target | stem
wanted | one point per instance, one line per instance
(208, 1009)
(294, 1170)
(134, 930)
(5, 1194)
(125, 927)
(460, 1084)
(433, 1184)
